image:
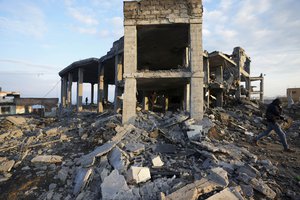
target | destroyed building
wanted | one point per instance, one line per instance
(11, 103)
(160, 64)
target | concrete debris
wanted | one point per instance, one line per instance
(81, 179)
(195, 132)
(6, 165)
(16, 120)
(226, 194)
(219, 175)
(157, 162)
(194, 190)
(262, 187)
(114, 186)
(138, 174)
(117, 159)
(47, 159)
(152, 159)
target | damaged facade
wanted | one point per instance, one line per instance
(11, 103)
(159, 64)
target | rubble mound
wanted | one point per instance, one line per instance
(162, 156)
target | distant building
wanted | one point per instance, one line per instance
(294, 93)
(11, 103)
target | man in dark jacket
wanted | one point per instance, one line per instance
(273, 115)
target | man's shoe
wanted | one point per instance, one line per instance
(289, 150)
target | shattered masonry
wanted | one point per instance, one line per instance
(160, 64)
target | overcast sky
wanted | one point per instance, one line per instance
(41, 37)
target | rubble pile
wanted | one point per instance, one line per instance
(162, 156)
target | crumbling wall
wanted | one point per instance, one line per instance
(162, 12)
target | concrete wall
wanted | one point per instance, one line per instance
(295, 93)
(162, 12)
(47, 102)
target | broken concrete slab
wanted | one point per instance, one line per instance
(157, 162)
(89, 159)
(195, 132)
(193, 190)
(218, 175)
(138, 174)
(117, 160)
(47, 159)
(114, 186)
(16, 120)
(81, 179)
(249, 170)
(263, 188)
(165, 148)
(6, 165)
(226, 194)
(135, 149)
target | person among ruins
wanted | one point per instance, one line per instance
(273, 116)
(86, 101)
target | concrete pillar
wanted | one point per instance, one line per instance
(100, 88)
(248, 88)
(187, 97)
(69, 95)
(105, 92)
(145, 102)
(196, 63)
(130, 66)
(118, 77)
(79, 89)
(261, 96)
(63, 91)
(219, 97)
(92, 93)
(166, 103)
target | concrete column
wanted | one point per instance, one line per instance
(219, 97)
(261, 96)
(130, 66)
(63, 91)
(79, 89)
(69, 95)
(145, 102)
(100, 88)
(196, 62)
(118, 77)
(166, 103)
(92, 93)
(187, 97)
(248, 88)
(105, 92)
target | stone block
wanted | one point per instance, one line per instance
(138, 174)
(157, 162)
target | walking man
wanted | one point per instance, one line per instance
(273, 115)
